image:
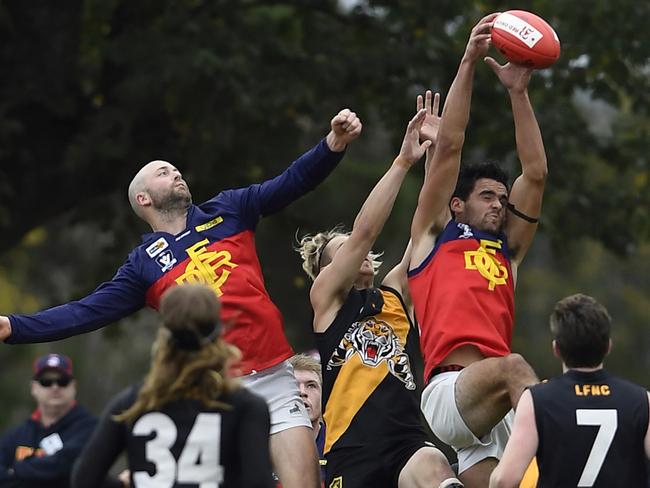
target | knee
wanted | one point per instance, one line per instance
(439, 464)
(517, 369)
(427, 465)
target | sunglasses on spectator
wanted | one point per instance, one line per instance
(48, 382)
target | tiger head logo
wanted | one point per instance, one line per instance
(375, 342)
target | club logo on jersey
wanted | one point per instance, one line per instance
(595, 390)
(375, 342)
(166, 260)
(484, 260)
(207, 267)
(23, 452)
(467, 231)
(337, 482)
(209, 225)
(154, 249)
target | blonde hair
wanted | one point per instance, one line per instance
(311, 247)
(189, 360)
(304, 362)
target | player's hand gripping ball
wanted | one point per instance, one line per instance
(524, 38)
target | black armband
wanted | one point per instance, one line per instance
(521, 215)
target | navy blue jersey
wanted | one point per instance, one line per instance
(591, 428)
(33, 456)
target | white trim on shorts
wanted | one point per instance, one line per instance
(278, 386)
(441, 411)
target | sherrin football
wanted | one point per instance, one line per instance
(525, 38)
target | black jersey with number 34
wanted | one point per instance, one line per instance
(183, 445)
(591, 429)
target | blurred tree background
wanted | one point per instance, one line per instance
(232, 91)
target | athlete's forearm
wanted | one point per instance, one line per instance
(302, 176)
(109, 303)
(530, 145)
(376, 209)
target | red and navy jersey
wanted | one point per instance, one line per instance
(216, 248)
(463, 293)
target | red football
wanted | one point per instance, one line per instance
(524, 38)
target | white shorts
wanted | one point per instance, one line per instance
(439, 407)
(278, 386)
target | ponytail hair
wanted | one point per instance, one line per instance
(189, 359)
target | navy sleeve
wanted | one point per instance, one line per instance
(58, 465)
(302, 176)
(7, 457)
(254, 428)
(110, 302)
(103, 448)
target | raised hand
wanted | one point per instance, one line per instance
(346, 127)
(411, 150)
(5, 327)
(514, 77)
(479, 39)
(432, 118)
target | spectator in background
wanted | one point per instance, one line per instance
(310, 383)
(190, 423)
(40, 452)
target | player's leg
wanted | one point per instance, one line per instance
(478, 476)
(486, 390)
(293, 450)
(427, 468)
(294, 457)
(476, 462)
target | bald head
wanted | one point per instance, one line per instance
(152, 181)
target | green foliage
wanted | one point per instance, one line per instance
(231, 91)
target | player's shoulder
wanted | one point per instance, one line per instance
(547, 386)
(627, 385)
(242, 397)
(123, 400)
(247, 404)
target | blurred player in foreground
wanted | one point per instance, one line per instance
(189, 424)
(587, 427)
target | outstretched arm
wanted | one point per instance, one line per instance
(110, 302)
(432, 212)
(397, 278)
(335, 280)
(302, 176)
(525, 200)
(5, 327)
(521, 447)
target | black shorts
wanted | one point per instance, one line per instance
(376, 466)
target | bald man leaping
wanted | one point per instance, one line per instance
(212, 243)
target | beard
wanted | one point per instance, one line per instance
(492, 226)
(173, 200)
